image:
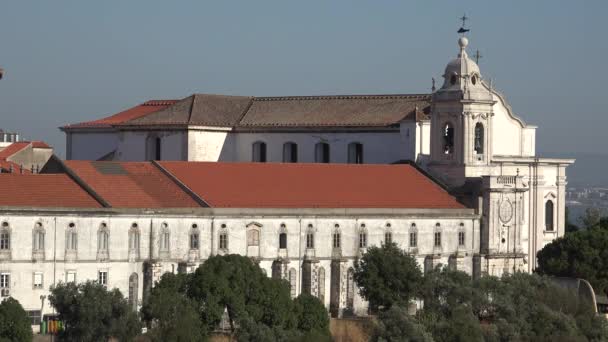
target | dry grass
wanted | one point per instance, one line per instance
(351, 330)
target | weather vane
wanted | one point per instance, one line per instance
(462, 29)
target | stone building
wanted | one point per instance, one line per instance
(153, 191)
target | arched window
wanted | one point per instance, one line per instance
(388, 234)
(413, 236)
(336, 243)
(194, 237)
(253, 237)
(310, 237)
(321, 283)
(153, 147)
(38, 243)
(157, 148)
(322, 152)
(134, 238)
(549, 216)
(5, 237)
(363, 237)
(292, 282)
(133, 290)
(479, 138)
(437, 235)
(71, 243)
(223, 241)
(259, 152)
(283, 240)
(355, 153)
(290, 152)
(103, 237)
(448, 138)
(165, 238)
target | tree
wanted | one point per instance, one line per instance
(581, 254)
(92, 313)
(591, 218)
(236, 284)
(311, 315)
(14, 322)
(170, 313)
(396, 325)
(387, 275)
(570, 227)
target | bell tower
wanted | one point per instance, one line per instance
(461, 114)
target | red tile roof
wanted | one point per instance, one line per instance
(43, 190)
(131, 184)
(40, 144)
(275, 185)
(9, 166)
(13, 148)
(129, 114)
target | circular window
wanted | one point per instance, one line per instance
(71, 225)
(453, 79)
(194, 226)
(474, 79)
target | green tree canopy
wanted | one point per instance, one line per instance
(387, 275)
(14, 322)
(396, 325)
(236, 284)
(171, 314)
(92, 313)
(311, 314)
(581, 254)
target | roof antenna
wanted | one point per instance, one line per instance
(433, 87)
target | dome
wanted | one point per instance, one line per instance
(459, 67)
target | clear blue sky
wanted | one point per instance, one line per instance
(70, 61)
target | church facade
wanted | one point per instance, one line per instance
(150, 190)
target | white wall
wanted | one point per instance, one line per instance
(54, 266)
(134, 145)
(377, 147)
(90, 145)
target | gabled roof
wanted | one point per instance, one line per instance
(13, 148)
(277, 185)
(43, 190)
(131, 185)
(126, 115)
(267, 112)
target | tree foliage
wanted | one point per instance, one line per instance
(92, 313)
(173, 316)
(580, 254)
(188, 307)
(14, 322)
(387, 275)
(396, 325)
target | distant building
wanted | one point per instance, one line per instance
(469, 193)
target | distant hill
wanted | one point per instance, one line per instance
(588, 170)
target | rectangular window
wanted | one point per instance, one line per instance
(70, 277)
(5, 280)
(34, 316)
(102, 278)
(362, 240)
(336, 240)
(437, 239)
(388, 237)
(223, 241)
(460, 238)
(413, 239)
(194, 241)
(5, 241)
(38, 280)
(310, 240)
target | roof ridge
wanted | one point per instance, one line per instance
(342, 97)
(159, 102)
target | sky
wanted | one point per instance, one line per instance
(72, 61)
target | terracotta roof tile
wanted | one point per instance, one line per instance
(11, 167)
(13, 148)
(129, 114)
(131, 184)
(40, 144)
(276, 185)
(43, 190)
